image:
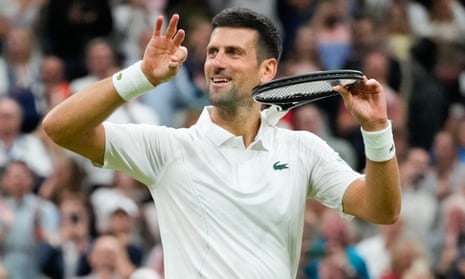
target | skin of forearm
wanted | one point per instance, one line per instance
(382, 186)
(76, 116)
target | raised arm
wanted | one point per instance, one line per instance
(76, 123)
(377, 198)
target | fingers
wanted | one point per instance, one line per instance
(178, 58)
(172, 31)
(172, 26)
(179, 37)
(365, 88)
(158, 27)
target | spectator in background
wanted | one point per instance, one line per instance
(144, 230)
(53, 84)
(448, 242)
(34, 220)
(108, 259)
(100, 61)
(398, 30)
(331, 24)
(65, 255)
(22, 13)
(293, 14)
(428, 104)
(303, 53)
(408, 258)
(446, 22)
(413, 170)
(121, 219)
(21, 72)
(67, 179)
(376, 250)
(70, 25)
(20, 146)
(338, 251)
(448, 173)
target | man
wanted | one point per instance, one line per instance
(231, 190)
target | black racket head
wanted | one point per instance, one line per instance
(292, 91)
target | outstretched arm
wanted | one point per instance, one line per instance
(76, 123)
(377, 198)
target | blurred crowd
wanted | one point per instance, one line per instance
(61, 217)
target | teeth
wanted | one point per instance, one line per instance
(219, 80)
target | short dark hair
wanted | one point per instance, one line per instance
(269, 40)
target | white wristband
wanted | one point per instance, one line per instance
(379, 145)
(131, 82)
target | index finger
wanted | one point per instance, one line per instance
(158, 26)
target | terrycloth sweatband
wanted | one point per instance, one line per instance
(379, 145)
(131, 82)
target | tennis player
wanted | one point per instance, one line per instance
(231, 190)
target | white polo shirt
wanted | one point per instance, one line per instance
(226, 211)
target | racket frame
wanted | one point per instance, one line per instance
(298, 99)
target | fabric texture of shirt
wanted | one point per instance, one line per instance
(227, 210)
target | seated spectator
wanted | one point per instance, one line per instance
(65, 255)
(67, 179)
(116, 214)
(408, 258)
(447, 175)
(448, 241)
(376, 250)
(108, 259)
(22, 75)
(16, 145)
(34, 221)
(338, 248)
(413, 170)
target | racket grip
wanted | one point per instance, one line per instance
(131, 82)
(379, 145)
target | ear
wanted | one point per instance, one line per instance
(268, 69)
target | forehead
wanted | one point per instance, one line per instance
(233, 36)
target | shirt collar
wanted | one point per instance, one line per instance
(220, 136)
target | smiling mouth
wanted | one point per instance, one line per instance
(219, 80)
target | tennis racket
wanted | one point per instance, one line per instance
(293, 91)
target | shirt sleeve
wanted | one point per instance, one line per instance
(330, 175)
(139, 150)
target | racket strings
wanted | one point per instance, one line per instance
(299, 91)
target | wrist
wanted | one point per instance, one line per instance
(379, 145)
(131, 82)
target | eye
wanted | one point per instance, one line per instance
(234, 51)
(211, 52)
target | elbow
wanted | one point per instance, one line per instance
(52, 130)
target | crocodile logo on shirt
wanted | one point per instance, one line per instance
(280, 166)
(119, 76)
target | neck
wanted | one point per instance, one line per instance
(244, 121)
